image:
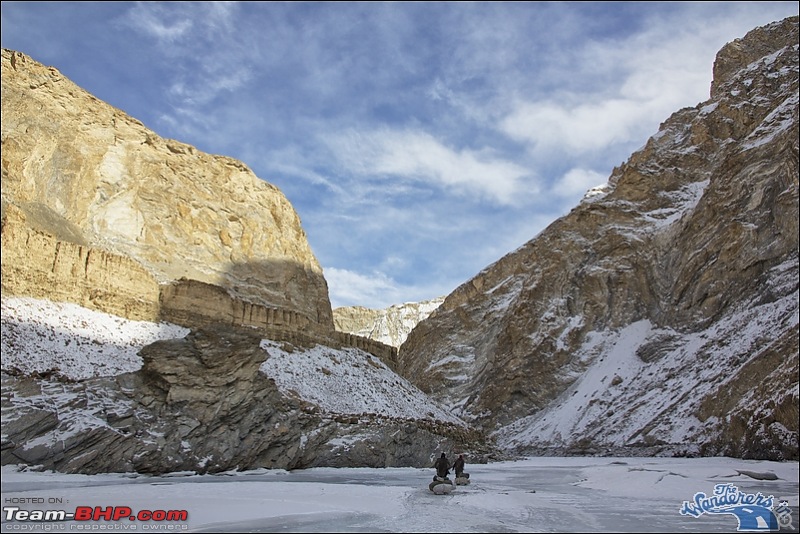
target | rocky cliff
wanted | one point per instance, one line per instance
(390, 325)
(662, 312)
(206, 275)
(90, 175)
(191, 406)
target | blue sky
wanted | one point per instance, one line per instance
(418, 141)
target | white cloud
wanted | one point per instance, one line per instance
(377, 290)
(621, 90)
(551, 126)
(152, 20)
(289, 162)
(417, 155)
(195, 93)
(348, 288)
(174, 22)
(205, 55)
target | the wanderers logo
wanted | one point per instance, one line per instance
(754, 511)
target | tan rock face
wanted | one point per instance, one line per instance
(89, 174)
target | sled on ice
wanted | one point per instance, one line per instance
(441, 486)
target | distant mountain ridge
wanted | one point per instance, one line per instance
(390, 325)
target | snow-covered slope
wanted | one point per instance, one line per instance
(348, 381)
(44, 336)
(645, 385)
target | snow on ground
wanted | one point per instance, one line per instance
(574, 494)
(348, 381)
(41, 335)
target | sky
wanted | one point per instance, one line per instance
(419, 142)
(574, 494)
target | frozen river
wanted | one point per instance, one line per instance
(534, 495)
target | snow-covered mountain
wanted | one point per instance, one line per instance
(660, 314)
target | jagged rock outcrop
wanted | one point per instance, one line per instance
(89, 174)
(390, 326)
(194, 407)
(663, 310)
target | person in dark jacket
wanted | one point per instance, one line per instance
(458, 465)
(442, 466)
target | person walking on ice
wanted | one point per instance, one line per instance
(462, 478)
(441, 484)
(442, 466)
(458, 465)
